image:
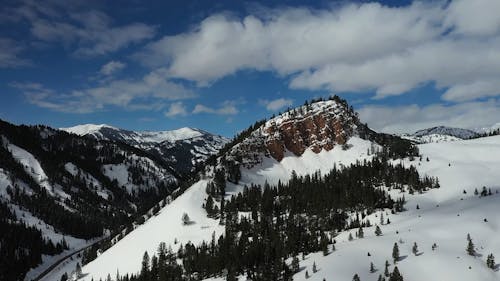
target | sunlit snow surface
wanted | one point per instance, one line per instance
(445, 217)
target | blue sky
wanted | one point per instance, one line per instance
(221, 66)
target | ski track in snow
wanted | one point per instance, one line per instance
(445, 217)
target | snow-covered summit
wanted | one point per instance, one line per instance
(183, 148)
(103, 131)
(86, 129)
(172, 135)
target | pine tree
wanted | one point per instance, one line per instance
(380, 278)
(470, 248)
(378, 231)
(415, 249)
(490, 261)
(314, 267)
(372, 267)
(395, 252)
(307, 274)
(145, 266)
(185, 218)
(356, 278)
(350, 237)
(361, 233)
(396, 275)
(78, 270)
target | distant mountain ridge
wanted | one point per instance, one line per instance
(183, 149)
(441, 134)
(449, 131)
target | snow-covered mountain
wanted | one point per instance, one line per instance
(449, 190)
(61, 191)
(183, 149)
(315, 137)
(440, 134)
(441, 217)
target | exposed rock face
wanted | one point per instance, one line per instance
(318, 126)
(322, 127)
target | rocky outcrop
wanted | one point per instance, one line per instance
(318, 126)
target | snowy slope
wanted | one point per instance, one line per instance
(126, 255)
(432, 138)
(272, 171)
(445, 217)
(166, 226)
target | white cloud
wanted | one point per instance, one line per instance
(112, 67)
(86, 32)
(176, 109)
(348, 48)
(9, 54)
(147, 93)
(478, 17)
(410, 118)
(227, 108)
(277, 104)
(473, 90)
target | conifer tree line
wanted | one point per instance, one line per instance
(21, 246)
(284, 221)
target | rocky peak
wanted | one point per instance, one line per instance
(319, 125)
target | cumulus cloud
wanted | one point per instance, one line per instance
(112, 67)
(277, 104)
(176, 109)
(146, 93)
(227, 108)
(410, 118)
(347, 48)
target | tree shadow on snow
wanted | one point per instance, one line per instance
(189, 223)
(401, 258)
(496, 267)
(419, 254)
